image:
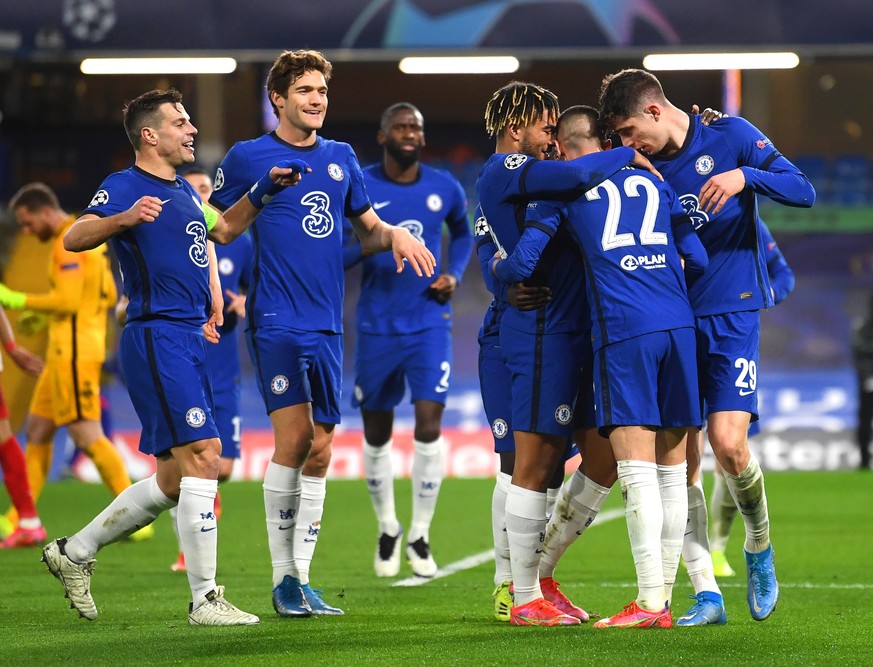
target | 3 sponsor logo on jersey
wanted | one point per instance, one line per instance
(704, 164)
(691, 204)
(100, 198)
(219, 180)
(318, 223)
(480, 227)
(279, 384)
(632, 263)
(514, 161)
(335, 171)
(499, 428)
(564, 414)
(195, 417)
(434, 203)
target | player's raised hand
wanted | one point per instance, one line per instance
(643, 162)
(289, 172)
(144, 209)
(718, 189)
(708, 115)
(409, 249)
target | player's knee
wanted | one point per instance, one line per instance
(427, 432)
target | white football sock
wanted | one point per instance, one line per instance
(137, 506)
(427, 476)
(174, 512)
(551, 499)
(312, 493)
(747, 489)
(502, 566)
(198, 534)
(645, 518)
(695, 546)
(380, 483)
(723, 511)
(525, 525)
(281, 503)
(672, 481)
(579, 502)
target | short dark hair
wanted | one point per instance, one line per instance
(34, 196)
(394, 108)
(624, 93)
(579, 111)
(518, 102)
(143, 111)
(290, 66)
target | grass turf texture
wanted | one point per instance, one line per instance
(822, 536)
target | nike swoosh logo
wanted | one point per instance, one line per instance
(286, 527)
(441, 390)
(381, 204)
(755, 606)
(308, 539)
(538, 551)
(746, 392)
(204, 529)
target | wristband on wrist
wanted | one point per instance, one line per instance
(10, 346)
(263, 191)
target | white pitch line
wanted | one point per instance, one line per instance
(806, 585)
(483, 557)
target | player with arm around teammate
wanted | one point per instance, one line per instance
(645, 376)
(159, 229)
(718, 170)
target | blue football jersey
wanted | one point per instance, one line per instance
(781, 275)
(164, 264)
(398, 303)
(736, 278)
(297, 278)
(234, 270)
(634, 275)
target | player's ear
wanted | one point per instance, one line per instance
(606, 144)
(654, 111)
(381, 137)
(149, 136)
(514, 131)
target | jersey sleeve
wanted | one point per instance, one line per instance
(781, 275)
(111, 197)
(766, 170)
(541, 223)
(357, 201)
(552, 179)
(232, 179)
(460, 234)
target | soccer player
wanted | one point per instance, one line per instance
(645, 384)
(294, 307)
(718, 171)
(159, 230)
(521, 117)
(862, 351)
(721, 505)
(404, 332)
(234, 272)
(68, 390)
(30, 531)
(495, 384)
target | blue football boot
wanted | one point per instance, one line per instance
(707, 610)
(763, 592)
(317, 604)
(288, 599)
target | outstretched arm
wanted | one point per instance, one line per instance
(378, 236)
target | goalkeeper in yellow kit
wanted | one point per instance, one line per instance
(82, 290)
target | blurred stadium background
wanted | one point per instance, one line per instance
(63, 127)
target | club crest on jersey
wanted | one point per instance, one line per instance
(225, 266)
(564, 414)
(434, 203)
(514, 161)
(415, 228)
(480, 227)
(335, 171)
(279, 384)
(195, 417)
(359, 393)
(219, 180)
(499, 428)
(100, 197)
(704, 164)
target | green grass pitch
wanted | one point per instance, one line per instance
(822, 533)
